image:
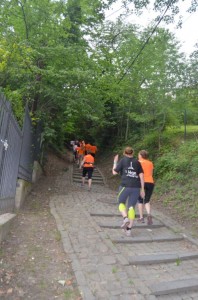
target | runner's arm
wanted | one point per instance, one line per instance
(142, 192)
(115, 162)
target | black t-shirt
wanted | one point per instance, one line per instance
(129, 169)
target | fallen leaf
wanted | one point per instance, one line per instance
(68, 282)
(62, 282)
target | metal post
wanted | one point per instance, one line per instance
(185, 123)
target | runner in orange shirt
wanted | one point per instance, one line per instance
(81, 153)
(87, 147)
(147, 167)
(93, 150)
(88, 167)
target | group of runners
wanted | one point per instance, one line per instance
(136, 184)
(84, 156)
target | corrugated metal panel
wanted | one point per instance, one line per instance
(18, 149)
(10, 148)
(27, 149)
(11, 160)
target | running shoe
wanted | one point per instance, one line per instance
(149, 220)
(128, 232)
(140, 220)
(125, 223)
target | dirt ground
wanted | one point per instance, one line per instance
(33, 264)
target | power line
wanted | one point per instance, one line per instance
(122, 7)
(147, 40)
(114, 12)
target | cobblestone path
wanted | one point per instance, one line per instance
(156, 262)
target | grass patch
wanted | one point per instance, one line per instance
(71, 294)
(42, 284)
(189, 129)
(131, 282)
(1, 252)
(178, 261)
(36, 205)
(114, 270)
(57, 236)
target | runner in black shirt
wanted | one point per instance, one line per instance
(131, 186)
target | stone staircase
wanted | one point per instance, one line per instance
(166, 259)
(97, 178)
(161, 259)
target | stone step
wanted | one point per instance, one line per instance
(136, 225)
(5, 223)
(80, 176)
(146, 239)
(93, 176)
(175, 286)
(101, 214)
(160, 258)
(94, 181)
(76, 169)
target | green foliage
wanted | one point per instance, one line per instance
(148, 142)
(83, 76)
(178, 163)
(87, 78)
(17, 104)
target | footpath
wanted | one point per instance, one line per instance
(157, 262)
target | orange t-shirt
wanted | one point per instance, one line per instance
(88, 161)
(148, 168)
(93, 149)
(81, 150)
(87, 147)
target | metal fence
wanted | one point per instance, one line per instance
(38, 143)
(27, 149)
(16, 153)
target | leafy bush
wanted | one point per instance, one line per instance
(178, 164)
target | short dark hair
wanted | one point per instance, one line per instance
(144, 154)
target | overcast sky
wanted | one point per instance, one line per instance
(187, 35)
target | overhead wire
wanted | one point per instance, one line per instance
(147, 40)
(145, 43)
(122, 7)
(114, 12)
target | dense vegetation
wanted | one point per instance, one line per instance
(86, 76)
(111, 83)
